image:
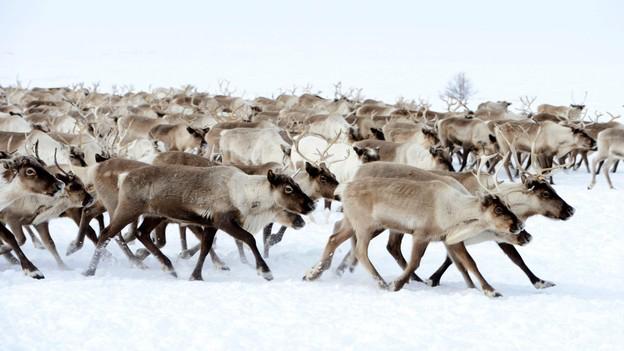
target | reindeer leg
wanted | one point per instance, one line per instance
(183, 243)
(119, 220)
(10, 258)
(506, 162)
(266, 235)
(27, 266)
(434, 279)
(232, 228)
(143, 234)
(86, 216)
(600, 166)
(464, 158)
(277, 237)
(132, 233)
(343, 233)
(44, 231)
(394, 248)
(160, 240)
(515, 257)
(607, 166)
(459, 251)
(18, 231)
(241, 252)
(35, 240)
(598, 158)
(207, 238)
(100, 220)
(216, 260)
(418, 250)
(361, 252)
(615, 165)
(462, 270)
(349, 261)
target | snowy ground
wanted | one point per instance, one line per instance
(124, 308)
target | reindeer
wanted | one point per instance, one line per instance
(254, 146)
(570, 113)
(542, 141)
(401, 132)
(533, 196)
(218, 197)
(472, 135)
(610, 147)
(410, 153)
(432, 210)
(37, 210)
(19, 177)
(178, 137)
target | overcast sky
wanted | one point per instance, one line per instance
(556, 50)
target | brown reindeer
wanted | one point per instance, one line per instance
(218, 197)
(22, 176)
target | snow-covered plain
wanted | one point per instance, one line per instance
(124, 308)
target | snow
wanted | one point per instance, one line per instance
(132, 309)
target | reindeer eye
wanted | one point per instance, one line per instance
(323, 179)
(546, 194)
(30, 172)
(498, 210)
(288, 189)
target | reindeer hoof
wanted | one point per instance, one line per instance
(268, 276)
(141, 254)
(35, 274)
(222, 267)
(543, 284)
(89, 273)
(492, 293)
(185, 255)
(312, 274)
(432, 283)
(73, 247)
(197, 277)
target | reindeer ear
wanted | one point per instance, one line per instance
(312, 171)
(272, 177)
(358, 150)
(100, 158)
(62, 177)
(378, 133)
(206, 130)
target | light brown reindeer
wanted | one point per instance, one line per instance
(432, 210)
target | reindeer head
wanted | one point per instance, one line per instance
(75, 190)
(31, 176)
(367, 154)
(583, 140)
(77, 157)
(197, 137)
(442, 158)
(577, 107)
(496, 212)
(323, 180)
(288, 195)
(539, 195)
(431, 136)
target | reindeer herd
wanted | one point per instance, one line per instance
(217, 162)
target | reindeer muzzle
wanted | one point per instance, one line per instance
(566, 213)
(516, 228)
(57, 189)
(524, 238)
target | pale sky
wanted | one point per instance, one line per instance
(556, 50)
